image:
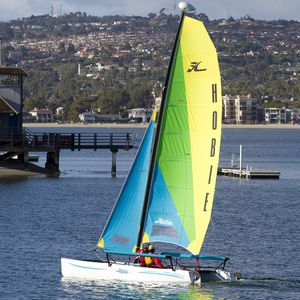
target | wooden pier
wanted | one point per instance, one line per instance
(51, 143)
(248, 174)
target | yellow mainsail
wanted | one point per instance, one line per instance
(186, 162)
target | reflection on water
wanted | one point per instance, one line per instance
(250, 288)
(91, 289)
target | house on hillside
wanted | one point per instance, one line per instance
(139, 115)
(87, 117)
(42, 115)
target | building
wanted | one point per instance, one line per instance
(275, 115)
(282, 115)
(108, 118)
(11, 102)
(139, 115)
(295, 116)
(42, 115)
(87, 117)
(240, 109)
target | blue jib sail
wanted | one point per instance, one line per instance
(120, 233)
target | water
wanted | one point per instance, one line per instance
(254, 222)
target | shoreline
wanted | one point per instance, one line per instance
(15, 169)
(144, 125)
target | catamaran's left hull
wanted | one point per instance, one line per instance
(119, 271)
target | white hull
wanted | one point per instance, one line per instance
(119, 271)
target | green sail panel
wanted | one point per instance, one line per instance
(183, 181)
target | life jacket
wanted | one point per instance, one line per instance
(153, 262)
(149, 261)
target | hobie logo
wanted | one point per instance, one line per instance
(195, 66)
(163, 222)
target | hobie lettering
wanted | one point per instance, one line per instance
(205, 202)
(214, 92)
(210, 172)
(214, 120)
(213, 147)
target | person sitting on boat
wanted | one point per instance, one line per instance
(141, 259)
(153, 262)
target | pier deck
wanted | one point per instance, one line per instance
(20, 145)
(248, 174)
(41, 142)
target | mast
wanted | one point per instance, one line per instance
(157, 135)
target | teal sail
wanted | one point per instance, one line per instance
(120, 233)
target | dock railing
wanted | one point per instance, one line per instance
(72, 141)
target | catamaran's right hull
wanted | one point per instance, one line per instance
(218, 275)
(119, 271)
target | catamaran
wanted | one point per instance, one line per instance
(167, 197)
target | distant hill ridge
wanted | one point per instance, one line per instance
(113, 63)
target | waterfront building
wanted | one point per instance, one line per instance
(240, 109)
(42, 115)
(87, 117)
(275, 115)
(11, 102)
(295, 116)
(139, 115)
(281, 115)
(108, 118)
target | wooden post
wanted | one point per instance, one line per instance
(52, 162)
(72, 141)
(95, 141)
(127, 141)
(56, 161)
(111, 141)
(113, 163)
(23, 157)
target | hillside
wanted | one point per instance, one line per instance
(123, 59)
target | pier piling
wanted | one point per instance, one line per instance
(114, 163)
(52, 162)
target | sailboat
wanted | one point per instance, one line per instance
(167, 197)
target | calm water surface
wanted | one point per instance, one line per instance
(254, 222)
